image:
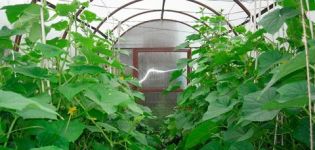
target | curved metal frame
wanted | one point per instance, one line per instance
(155, 10)
(239, 3)
(163, 8)
(193, 1)
(154, 20)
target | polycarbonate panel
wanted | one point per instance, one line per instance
(127, 60)
(155, 68)
(156, 34)
(136, 20)
(161, 105)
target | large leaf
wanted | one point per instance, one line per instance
(200, 134)
(88, 16)
(32, 71)
(176, 74)
(140, 137)
(185, 95)
(108, 99)
(66, 9)
(107, 127)
(61, 25)
(47, 148)
(26, 107)
(292, 95)
(273, 21)
(301, 132)
(93, 58)
(32, 112)
(72, 89)
(218, 106)
(61, 130)
(252, 107)
(244, 145)
(296, 63)
(269, 59)
(35, 31)
(14, 12)
(213, 145)
(86, 69)
(61, 43)
(49, 51)
(6, 32)
(30, 16)
(5, 43)
(85, 42)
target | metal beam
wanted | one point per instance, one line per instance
(265, 10)
(162, 12)
(243, 7)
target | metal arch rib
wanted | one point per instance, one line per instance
(156, 10)
(163, 8)
(239, 3)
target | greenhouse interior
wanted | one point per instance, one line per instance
(157, 74)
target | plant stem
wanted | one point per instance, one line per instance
(10, 130)
(100, 128)
(31, 127)
(275, 134)
(307, 75)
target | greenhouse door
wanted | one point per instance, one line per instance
(155, 67)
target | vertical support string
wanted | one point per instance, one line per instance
(109, 69)
(119, 29)
(312, 37)
(275, 134)
(44, 62)
(307, 75)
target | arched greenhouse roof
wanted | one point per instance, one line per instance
(119, 16)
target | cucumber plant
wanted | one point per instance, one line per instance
(65, 93)
(237, 100)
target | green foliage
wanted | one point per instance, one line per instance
(67, 9)
(14, 12)
(88, 16)
(49, 51)
(26, 107)
(200, 134)
(252, 109)
(32, 71)
(61, 25)
(73, 93)
(240, 96)
(62, 93)
(274, 20)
